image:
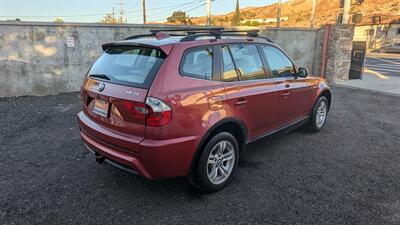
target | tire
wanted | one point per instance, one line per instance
(319, 114)
(204, 170)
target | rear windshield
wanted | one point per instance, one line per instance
(130, 65)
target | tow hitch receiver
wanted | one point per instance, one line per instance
(100, 159)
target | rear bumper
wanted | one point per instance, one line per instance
(153, 159)
(100, 159)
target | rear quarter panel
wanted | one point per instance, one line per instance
(193, 112)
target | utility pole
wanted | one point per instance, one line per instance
(122, 18)
(312, 19)
(144, 11)
(278, 14)
(208, 12)
(113, 14)
(236, 17)
(346, 11)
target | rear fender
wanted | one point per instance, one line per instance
(210, 131)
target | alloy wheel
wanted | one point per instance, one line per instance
(321, 114)
(220, 162)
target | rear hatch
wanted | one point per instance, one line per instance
(115, 89)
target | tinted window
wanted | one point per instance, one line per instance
(229, 68)
(248, 61)
(280, 64)
(197, 63)
(130, 65)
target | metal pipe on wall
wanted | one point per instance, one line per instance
(327, 30)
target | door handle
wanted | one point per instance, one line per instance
(285, 94)
(241, 102)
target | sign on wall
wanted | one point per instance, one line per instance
(70, 42)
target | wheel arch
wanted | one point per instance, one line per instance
(326, 93)
(232, 125)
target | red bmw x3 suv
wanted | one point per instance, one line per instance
(164, 105)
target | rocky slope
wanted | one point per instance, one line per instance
(298, 12)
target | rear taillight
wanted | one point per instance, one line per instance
(158, 114)
(137, 111)
(154, 112)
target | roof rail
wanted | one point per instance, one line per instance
(218, 34)
(189, 30)
(165, 35)
(194, 33)
(249, 35)
(253, 31)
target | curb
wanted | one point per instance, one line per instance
(365, 89)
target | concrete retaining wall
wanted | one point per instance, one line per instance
(49, 58)
(35, 58)
(300, 44)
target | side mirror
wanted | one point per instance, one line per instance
(303, 72)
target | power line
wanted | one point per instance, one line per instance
(169, 8)
(186, 11)
(195, 7)
(99, 14)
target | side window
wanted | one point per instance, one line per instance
(280, 64)
(229, 73)
(198, 63)
(248, 61)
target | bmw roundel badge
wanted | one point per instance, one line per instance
(101, 87)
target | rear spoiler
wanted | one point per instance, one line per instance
(165, 48)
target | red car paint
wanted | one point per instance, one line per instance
(198, 106)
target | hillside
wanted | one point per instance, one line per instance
(297, 12)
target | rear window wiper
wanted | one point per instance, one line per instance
(101, 76)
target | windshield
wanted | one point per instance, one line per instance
(131, 65)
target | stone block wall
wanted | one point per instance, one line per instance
(339, 53)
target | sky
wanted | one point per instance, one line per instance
(94, 10)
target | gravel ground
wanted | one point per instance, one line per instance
(347, 174)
